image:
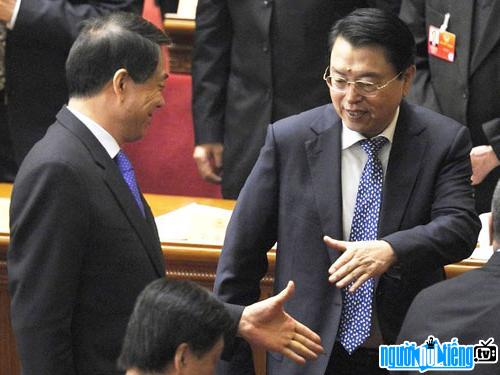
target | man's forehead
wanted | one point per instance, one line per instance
(369, 57)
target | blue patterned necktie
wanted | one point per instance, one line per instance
(127, 171)
(356, 316)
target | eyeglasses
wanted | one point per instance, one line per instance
(365, 88)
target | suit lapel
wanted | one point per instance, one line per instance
(488, 40)
(144, 230)
(323, 152)
(404, 165)
(115, 182)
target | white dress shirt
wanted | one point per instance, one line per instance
(105, 139)
(353, 161)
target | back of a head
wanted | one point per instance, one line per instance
(374, 27)
(108, 43)
(167, 314)
(495, 211)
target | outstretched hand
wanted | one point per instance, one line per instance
(266, 324)
(360, 260)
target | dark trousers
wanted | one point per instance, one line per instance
(361, 362)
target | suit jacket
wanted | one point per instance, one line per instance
(293, 196)
(465, 89)
(80, 254)
(255, 62)
(36, 53)
(465, 307)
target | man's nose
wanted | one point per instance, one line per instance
(351, 93)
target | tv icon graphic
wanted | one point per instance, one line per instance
(486, 352)
(434, 355)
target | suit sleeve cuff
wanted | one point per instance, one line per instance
(230, 341)
(492, 131)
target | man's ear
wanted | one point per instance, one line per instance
(181, 356)
(408, 76)
(120, 81)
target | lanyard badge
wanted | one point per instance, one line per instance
(441, 43)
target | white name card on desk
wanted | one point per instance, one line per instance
(4, 215)
(194, 223)
(185, 10)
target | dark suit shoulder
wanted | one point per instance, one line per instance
(466, 302)
(305, 124)
(428, 119)
(61, 145)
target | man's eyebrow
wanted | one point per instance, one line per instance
(363, 74)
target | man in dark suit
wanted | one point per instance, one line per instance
(465, 89)
(40, 36)
(83, 239)
(465, 307)
(303, 188)
(252, 66)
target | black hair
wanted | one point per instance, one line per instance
(375, 27)
(108, 43)
(167, 314)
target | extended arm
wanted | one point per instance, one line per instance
(266, 324)
(449, 236)
(453, 227)
(251, 232)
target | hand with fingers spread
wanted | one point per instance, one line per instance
(266, 324)
(208, 158)
(359, 261)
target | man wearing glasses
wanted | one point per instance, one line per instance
(367, 200)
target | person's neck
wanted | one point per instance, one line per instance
(98, 109)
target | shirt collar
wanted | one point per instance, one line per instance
(105, 139)
(350, 137)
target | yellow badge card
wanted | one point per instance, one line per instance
(441, 44)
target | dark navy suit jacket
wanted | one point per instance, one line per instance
(80, 254)
(293, 196)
